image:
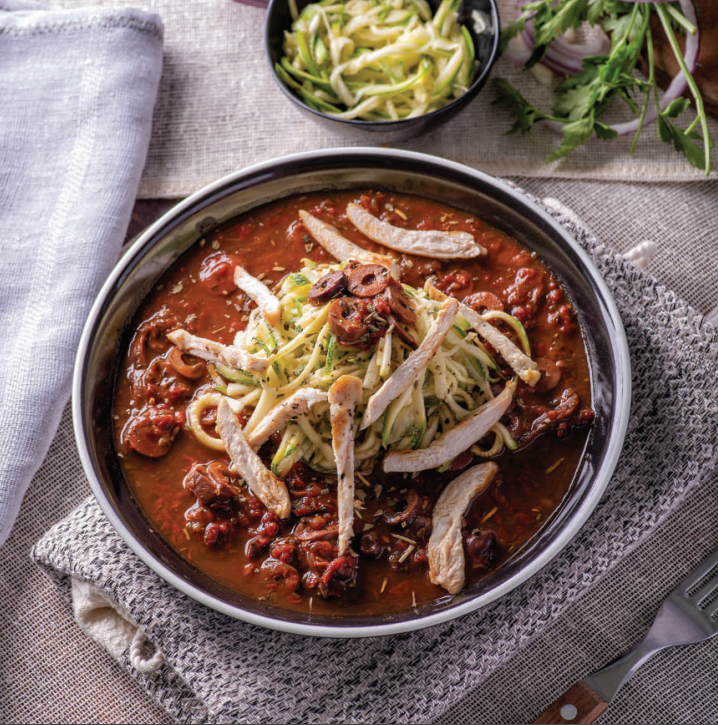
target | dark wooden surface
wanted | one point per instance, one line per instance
(145, 212)
(589, 706)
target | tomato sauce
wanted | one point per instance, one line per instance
(239, 543)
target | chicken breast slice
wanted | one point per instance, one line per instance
(286, 410)
(445, 550)
(213, 351)
(424, 243)
(516, 359)
(411, 368)
(270, 490)
(454, 441)
(258, 291)
(344, 395)
(340, 247)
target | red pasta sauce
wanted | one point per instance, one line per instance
(180, 484)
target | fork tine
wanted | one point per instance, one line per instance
(707, 593)
(707, 571)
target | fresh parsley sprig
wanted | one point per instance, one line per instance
(582, 99)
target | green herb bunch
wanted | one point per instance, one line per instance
(582, 99)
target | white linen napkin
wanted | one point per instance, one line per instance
(77, 91)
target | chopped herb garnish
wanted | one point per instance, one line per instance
(299, 279)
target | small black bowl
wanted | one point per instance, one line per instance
(486, 45)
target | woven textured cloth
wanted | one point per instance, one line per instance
(219, 109)
(219, 670)
(94, 74)
(678, 218)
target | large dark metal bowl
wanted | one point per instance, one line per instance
(162, 243)
(486, 44)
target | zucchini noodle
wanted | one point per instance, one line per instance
(194, 417)
(514, 324)
(307, 353)
(378, 59)
(497, 446)
(290, 451)
(265, 404)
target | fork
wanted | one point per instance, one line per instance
(688, 615)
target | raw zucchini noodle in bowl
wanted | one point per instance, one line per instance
(375, 60)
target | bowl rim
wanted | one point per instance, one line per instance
(622, 398)
(476, 84)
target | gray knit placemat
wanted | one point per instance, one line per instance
(221, 670)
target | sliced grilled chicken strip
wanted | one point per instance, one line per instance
(518, 361)
(213, 351)
(286, 410)
(423, 243)
(445, 550)
(455, 441)
(344, 395)
(340, 247)
(258, 291)
(261, 481)
(411, 368)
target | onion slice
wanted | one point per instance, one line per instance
(517, 51)
(567, 58)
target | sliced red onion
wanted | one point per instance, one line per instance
(562, 67)
(517, 51)
(678, 84)
(567, 58)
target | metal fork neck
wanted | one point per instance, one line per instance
(609, 680)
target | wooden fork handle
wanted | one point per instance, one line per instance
(579, 704)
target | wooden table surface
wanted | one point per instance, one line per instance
(145, 212)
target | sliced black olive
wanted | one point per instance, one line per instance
(565, 408)
(407, 516)
(371, 546)
(514, 422)
(346, 319)
(400, 304)
(186, 365)
(403, 335)
(339, 575)
(368, 280)
(329, 286)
